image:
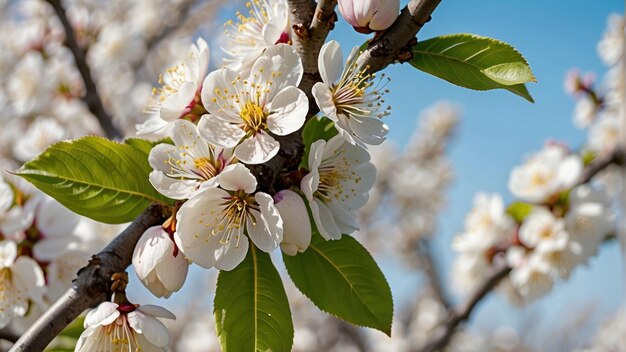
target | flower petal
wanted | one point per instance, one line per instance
(257, 149)
(324, 220)
(155, 332)
(232, 253)
(237, 177)
(156, 311)
(104, 314)
(289, 109)
(330, 62)
(220, 132)
(324, 100)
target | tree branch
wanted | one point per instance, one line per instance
(441, 336)
(599, 164)
(428, 265)
(92, 286)
(393, 42)
(91, 97)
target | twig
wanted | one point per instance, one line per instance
(428, 265)
(91, 97)
(443, 333)
(386, 49)
(91, 286)
(617, 157)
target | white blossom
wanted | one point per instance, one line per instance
(337, 185)
(188, 166)
(266, 25)
(213, 227)
(158, 263)
(349, 97)
(485, 225)
(545, 173)
(111, 327)
(585, 112)
(244, 110)
(611, 46)
(43, 132)
(179, 94)
(21, 283)
(531, 276)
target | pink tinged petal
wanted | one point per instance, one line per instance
(220, 132)
(156, 311)
(370, 130)
(385, 16)
(289, 109)
(257, 149)
(346, 9)
(8, 253)
(237, 177)
(172, 187)
(296, 222)
(104, 314)
(324, 100)
(261, 233)
(330, 62)
(29, 278)
(155, 332)
(176, 105)
(231, 254)
(364, 11)
(152, 248)
(172, 271)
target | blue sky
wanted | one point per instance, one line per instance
(498, 129)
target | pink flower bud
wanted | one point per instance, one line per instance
(367, 16)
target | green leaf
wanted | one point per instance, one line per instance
(341, 278)
(474, 62)
(519, 211)
(251, 308)
(92, 176)
(144, 145)
(315, 129)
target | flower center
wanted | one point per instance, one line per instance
(357, 94)
(254, 118)
(231, 220)
(205, 168)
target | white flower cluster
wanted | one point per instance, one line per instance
(223, 123)
(41, 89)
(563, 227)
(602, 110)
(42, 245)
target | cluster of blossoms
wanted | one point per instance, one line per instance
(556, 226)
(42, 245)
(224, 122)
(601, 110)
(42, 90)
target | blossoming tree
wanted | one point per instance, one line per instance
(272, 152)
